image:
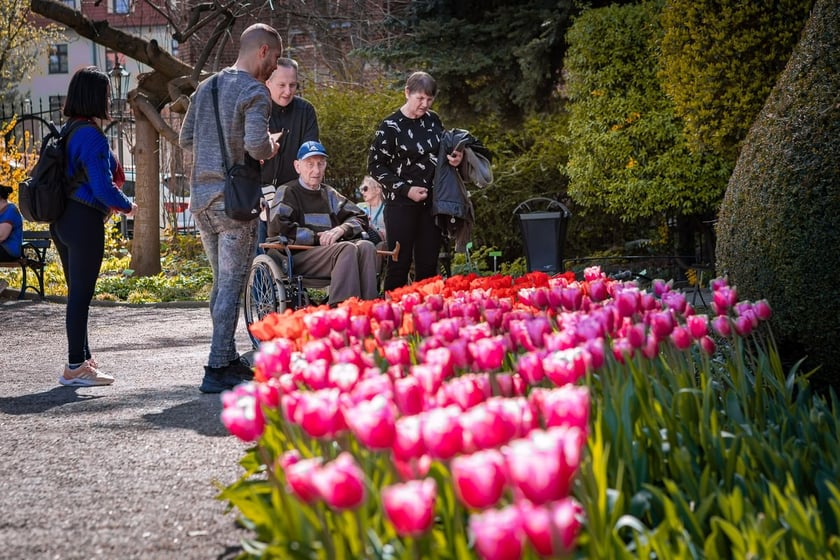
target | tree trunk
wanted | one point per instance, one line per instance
(145, 249)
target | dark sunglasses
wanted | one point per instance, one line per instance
(364, 188)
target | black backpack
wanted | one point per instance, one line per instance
(43, 196)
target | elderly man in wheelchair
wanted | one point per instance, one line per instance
(324, 230)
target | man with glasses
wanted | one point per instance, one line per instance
(295, 117)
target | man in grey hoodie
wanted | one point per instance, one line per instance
(244, 109)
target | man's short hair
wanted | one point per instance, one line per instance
(257, 35)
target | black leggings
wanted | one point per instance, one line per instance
(79, 236)
(419, 237)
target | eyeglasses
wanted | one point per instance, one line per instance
(364, 188)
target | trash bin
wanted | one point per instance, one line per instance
(543, 223)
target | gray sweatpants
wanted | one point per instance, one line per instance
(350, 265)
(230, 246)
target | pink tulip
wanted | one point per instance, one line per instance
(660, 288)
(487, 425)
(441, 359)
(299, 477)
(318, 413)
(442, 432)
(343, 376)
(560, 340)
(409, 395)
(722, 325)
(743, 325)
(542, 466)
(341, 483)
(397, 352)
(698, 326)
(708, 345)
(317, 349)
(681, 338)
(622, 350)
(373, 422)
(565, 366)
(529, 366)
(274, 357)
(413, 468)
(430, 377)
(479, 478)
(463, 392)
(408, 438)
(423, 321)
(410, 506)
(242, 413)
(571, 298)
(564, 406)
(268, 393)
(372, 385)
(627, 302)
(651, 348)
(498, 533)
(598, 291)
(447, 328)
(763, 310)
(661, 323)
(359, 326)
(315, 374)
(382, 311)
(488, 353)
(675, 301)
(317, 324)
(595, 348)
(592, 273)
(552, 529)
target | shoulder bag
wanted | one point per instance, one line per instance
(242, 181)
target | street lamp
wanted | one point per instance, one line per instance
(120, 78)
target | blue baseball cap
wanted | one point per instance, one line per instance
(311, 148)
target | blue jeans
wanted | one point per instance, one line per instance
(230, 246)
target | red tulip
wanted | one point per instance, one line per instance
(340, 483)
(442, 432)
(242, 413)
(410, 506)
(479, 478)
(498, 533)
(373, 422)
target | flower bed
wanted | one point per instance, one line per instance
(503, 418)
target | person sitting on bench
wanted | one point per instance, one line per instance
(308, 212)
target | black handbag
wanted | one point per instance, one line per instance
(243, 188)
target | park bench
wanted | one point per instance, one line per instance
(34, 258)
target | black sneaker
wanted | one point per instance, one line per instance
(217, 380)
(241, 368)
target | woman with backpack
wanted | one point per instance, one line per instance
(79, 234)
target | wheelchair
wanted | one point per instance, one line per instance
(273, 285)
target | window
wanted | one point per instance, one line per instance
(58, 59)
(70, 4)
(119, 6)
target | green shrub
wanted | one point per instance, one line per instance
(779, 224)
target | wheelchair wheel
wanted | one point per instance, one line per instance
(265, 292)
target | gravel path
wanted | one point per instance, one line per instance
(125, 471)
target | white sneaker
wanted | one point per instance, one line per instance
(84, 376)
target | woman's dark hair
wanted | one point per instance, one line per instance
(88, 94)
(421, 82)
(5, 192)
